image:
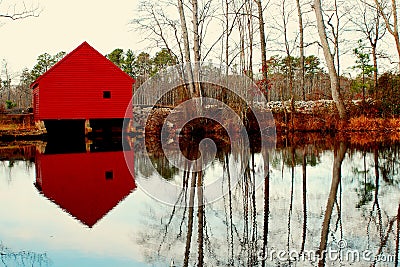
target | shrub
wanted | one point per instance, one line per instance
(388, 92)
(10, 104)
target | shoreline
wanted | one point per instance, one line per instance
(372, 127)
(285, 123)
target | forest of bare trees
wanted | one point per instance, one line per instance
(299, 50)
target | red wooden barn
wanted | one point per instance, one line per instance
(86, 185)
(84, 85)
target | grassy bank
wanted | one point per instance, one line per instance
(320, 118)
(330, 122)
(19, 127)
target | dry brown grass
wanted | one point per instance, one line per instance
(8, 127)
(364, 124)
(332, 123)
(15, 127)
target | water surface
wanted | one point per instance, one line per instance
(85, 209)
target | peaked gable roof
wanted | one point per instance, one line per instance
(65, 59)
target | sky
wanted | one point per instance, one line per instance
(63, 25)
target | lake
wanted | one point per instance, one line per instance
(105, 205)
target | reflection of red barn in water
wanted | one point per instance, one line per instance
(86, 185)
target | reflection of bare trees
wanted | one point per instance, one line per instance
(390, 166)
(304, 194)
(376, 210)
(397, 238)
(235, 230)
(339, 154)
(248, 240)
(375, 205)
(385, 239)
(292, 165)
(207, 247)
(22, 258)
(190, 220)
(266, 202)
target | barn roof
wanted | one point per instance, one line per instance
(65, 59)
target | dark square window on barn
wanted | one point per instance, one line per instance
(106, 94)
(109, 175)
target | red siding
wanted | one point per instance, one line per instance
(35, 103)
(76, 182)
(73, 88)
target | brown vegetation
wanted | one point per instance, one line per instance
(18, 127)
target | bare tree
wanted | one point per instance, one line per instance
(330, 61)
(286, 11)
(154, 22)
(391, 26)
(250, 35)
(196, 44)
(186, 45)
(367, 21)
(233, 13)
(16, 12)
(264, 67)
(301, 49)
(5, 86)
(286, 15)
(227, 33)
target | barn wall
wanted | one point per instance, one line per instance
(74, 89)
(35, 104)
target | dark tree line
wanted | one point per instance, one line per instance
(15, 90)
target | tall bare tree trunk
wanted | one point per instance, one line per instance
(330, 62)
(396, 29)
(301, 47)
(287, 48)
(374, 42)
(285, 20)
(249, 12)
(196, 46)
(184, 31)
(226, 36)
(186, 47)
(375, 62)
(264, 67)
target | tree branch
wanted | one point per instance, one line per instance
(25, 12)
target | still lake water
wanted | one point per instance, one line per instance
(85, 209)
